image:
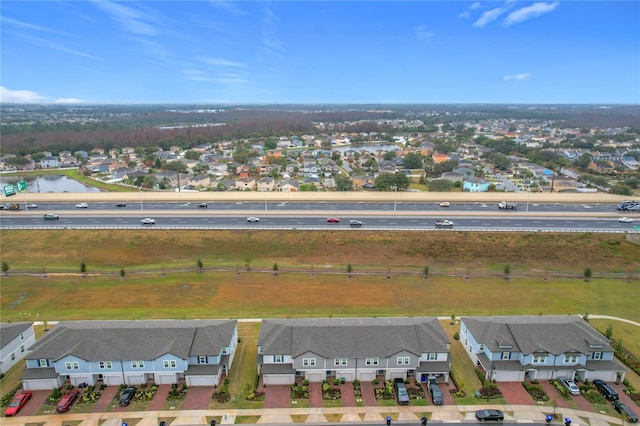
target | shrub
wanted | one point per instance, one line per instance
(456, 335)
(563, 391)
(536, 391)
(480, 376)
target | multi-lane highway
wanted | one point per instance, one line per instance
(301, 216)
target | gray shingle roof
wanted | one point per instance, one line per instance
(530, 334)
(352, 337)
(131, 340)
(11, 330)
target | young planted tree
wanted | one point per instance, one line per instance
(425, 272)
(83, 268)
(453, 319)
(588, 273)
(349, 269)
(507, 271)
(5, 268)
(199, 264)
(609, 332)
(275, 268)
(122, 273)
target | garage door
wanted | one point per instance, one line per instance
(112, 380)
(366, 376)
(316, 376)
(509, 376)
(165, 379)
(346, 375)
(278, 379)
(40, 384)
(78, 380)
(201, 380)
(135, 379)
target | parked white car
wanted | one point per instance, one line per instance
(571, 386)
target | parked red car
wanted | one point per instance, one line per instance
(65, 403)
(19, 401)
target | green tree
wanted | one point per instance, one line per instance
(507, 271)
(413, 160)
(609, 332)
(582, 163)
(275, 268)
(83, 268)
(391, 181)
(425, 272)
(308, 187)
(500, 160)
(199, 264)
(389, 155)
(192, 155)
(343, 183)
(5, 268)
(588, 273)
(621, 189)
(349, 269)
(122, 273)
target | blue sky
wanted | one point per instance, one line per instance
(320, 52)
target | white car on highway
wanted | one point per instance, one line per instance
(625, 220)
(253, 219)
(82, 205)
(148, 221)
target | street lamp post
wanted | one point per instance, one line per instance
(395, 198)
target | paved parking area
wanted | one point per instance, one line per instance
(368, 394)
(37, 400)
(348, 397)
(315, 395)
(106, 398)
(277, 396)
(515, 393)
(159, 398)
(198, 398)
(553, 394)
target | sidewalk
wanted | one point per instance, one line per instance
(439, 414)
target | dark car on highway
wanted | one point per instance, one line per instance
(484, 415)
(121, 205)
(606, 390)
(127, 396)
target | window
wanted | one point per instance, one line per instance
(278, 358)
(481, 347)
(596, 355)
(403, 360)
(21, 336)
(137, 364)
(371, 361)
(43, 363)
(202, 360)
(260, 350)
(309, 362)
(539, 359)
(570, 359)
(76, 366)
(505, 355)
(432, 356)
(105, 364)
(13, 356)
(340, 361)
(169, 363)
(67, 365)
(22, 348)
(224, 351)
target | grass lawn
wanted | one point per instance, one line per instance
(461, 365)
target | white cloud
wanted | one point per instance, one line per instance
(132, 20)
(529, 12)
(223, 62)
(467, 13)
(24, 25)
(421, 32)
(227, 6)
(489, 16)
(20, 96)
(31, 97)
(517, 77)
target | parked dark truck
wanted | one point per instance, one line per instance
(401, 391)
(434, 390)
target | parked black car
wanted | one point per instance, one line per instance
(625, 411)
(606, 390)
(127, 395)
(401, 391)
(484, 415)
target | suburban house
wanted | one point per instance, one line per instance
(523, 348)
(266, 184)
(352, 348)
(132, 353)
(15, 339)
(49, 162)
(475, 184)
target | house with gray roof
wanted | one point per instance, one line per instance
(132, 353)
(352, 348)
(520, 348)
(15, 340)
